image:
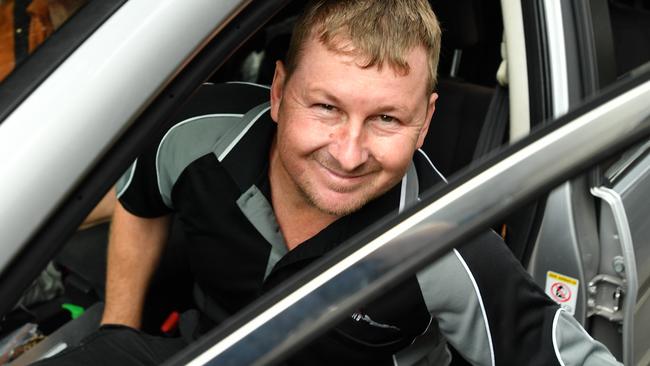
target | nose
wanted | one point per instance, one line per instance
(349, 145)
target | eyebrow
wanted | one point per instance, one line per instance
(324, 94)
(380, 109)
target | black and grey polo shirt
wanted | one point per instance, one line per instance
(212, 171)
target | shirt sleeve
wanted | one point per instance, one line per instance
(138, 190)
(145, 188)
(493, 313)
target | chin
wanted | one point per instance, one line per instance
(338, 210)
(341, 204)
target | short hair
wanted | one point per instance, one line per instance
(380, 31)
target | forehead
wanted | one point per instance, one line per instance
(344, 73)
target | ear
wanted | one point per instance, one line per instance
(277, 88)
(431, 107)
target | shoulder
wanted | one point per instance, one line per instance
(194, 137)
(197, 137)
(214, 115)
(203, 125)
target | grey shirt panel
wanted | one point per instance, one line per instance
(232, 137)
(409, 189)
(125, 180)
(570, 346)
(259, 212)
(453, 298)
(186, 142)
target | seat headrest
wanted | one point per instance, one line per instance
(459, 22)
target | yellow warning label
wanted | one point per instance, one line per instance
(563, 290)
(559, 277)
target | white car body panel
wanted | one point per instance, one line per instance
(90, 99)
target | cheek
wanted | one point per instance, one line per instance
(394, 167)
(394, 154)
(303, 136)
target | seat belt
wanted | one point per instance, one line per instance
(493, 132)
(495, 125)
(515, 229)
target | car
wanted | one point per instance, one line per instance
(541, 130)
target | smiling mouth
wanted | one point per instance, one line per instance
(344, 182)
(345, 176)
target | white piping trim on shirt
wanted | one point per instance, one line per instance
(249, 83)
(402, 194)
(241, 134)
(238, 115)
(480, 300)
(425, 329)
(433, 166)
(128, 182)
(556, 348)
(428, 326)
(395, 363)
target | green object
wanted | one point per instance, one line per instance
(75, 310)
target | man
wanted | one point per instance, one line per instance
(263, 193)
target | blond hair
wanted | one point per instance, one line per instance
(379, 31)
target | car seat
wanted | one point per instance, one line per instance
(462, 105)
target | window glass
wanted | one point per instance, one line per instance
(631, 33)
(26, 24)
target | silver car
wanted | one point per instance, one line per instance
(549, 110)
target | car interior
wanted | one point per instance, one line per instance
(470, 121)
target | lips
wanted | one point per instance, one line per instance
(343, 175)
(337, 179)
(342, 182)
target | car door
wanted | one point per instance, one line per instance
(585, 47)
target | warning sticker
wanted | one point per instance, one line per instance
(563, 290)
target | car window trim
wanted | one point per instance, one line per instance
(539, 79)
(557, 56)
(595, 44)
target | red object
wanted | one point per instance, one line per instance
(171, 323)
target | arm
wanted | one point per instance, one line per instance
(135, 246)
(102, 212)
(493, 313)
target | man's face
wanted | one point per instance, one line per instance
(346, 134)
